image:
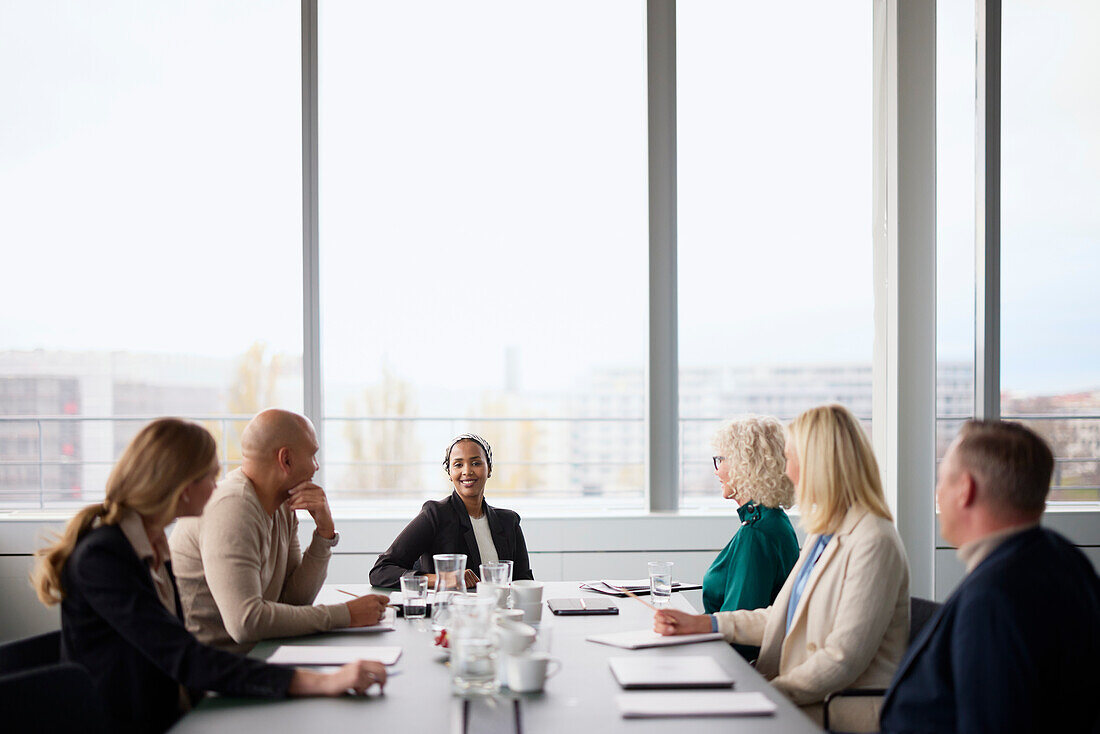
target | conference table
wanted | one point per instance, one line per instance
(418, 697)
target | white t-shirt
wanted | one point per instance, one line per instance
(484, 539)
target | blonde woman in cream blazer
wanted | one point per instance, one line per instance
(850, 624)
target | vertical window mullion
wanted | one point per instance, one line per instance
(662, 394)
(987, 220)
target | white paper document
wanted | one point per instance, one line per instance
(332, 654)
(618, 587)
(669, 671)
(388, 623)
(637, 639)
(693, 703)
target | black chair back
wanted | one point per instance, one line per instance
(920, 612)
(52, 699)
(30, 652)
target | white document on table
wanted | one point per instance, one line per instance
(694, 703)
(332, 654)
(669, 671)
(637, 639)
(388, 623)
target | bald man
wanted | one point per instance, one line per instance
(241, 573)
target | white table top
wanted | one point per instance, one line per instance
(579, 699)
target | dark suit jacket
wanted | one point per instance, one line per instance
(138, 654)
(1016, 648)
(444, 527)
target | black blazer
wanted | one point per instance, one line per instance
(1014, 648)
(138, 654)
(444, 526)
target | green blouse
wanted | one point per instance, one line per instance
(751, 569)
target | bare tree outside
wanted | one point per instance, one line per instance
(384, 449)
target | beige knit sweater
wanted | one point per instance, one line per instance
(241, 573)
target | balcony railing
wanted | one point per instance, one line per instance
(582, 468)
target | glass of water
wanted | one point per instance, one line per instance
(414, 591)
(496, 573)
(660, 583)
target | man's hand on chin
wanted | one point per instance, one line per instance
(311, 498)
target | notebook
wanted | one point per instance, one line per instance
(658, 704)
(638, 639)
(681, 671)
(388, 623)
(638, 587)
(332, 654)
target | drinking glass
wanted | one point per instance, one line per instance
(496, 573)
(660, 583)
(473, 664)
(450, 580)
(471, 634)
(414, 590)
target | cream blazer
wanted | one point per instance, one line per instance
(850, 628)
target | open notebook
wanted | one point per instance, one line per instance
(638, 587)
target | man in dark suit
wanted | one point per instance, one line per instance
(1016, 648)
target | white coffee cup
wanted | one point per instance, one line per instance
(528, 673)
(525, 591)
(498, 593)
(532, 613)
(512, 615)
(515, 637)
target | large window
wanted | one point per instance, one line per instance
(483, 234)
(483, 246)
(774, 155)
(1050, 233)
(150, 169)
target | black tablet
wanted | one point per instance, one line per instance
(576, 607)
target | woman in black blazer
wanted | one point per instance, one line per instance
(120, 610)
(462, 523)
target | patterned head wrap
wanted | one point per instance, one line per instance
(469, 437)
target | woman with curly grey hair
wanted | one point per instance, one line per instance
(750, 465)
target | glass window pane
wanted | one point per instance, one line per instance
(483, 250)
(150, 169)
(955, 121)
(1050, 232)
(775, 250)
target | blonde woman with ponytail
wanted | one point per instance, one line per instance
(120, 614)
(841, 619)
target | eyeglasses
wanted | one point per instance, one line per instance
(717, 460)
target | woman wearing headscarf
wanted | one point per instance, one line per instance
(461, 523)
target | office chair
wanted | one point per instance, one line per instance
(40, 693)
(920, 612)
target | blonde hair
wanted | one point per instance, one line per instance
(159, 463)
(837, 469)
(753, 449)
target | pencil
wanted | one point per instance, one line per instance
(348, 593)
(632, 595)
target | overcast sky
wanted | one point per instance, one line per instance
(483, 184)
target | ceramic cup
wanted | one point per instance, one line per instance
(525, 591)
(528, 673)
